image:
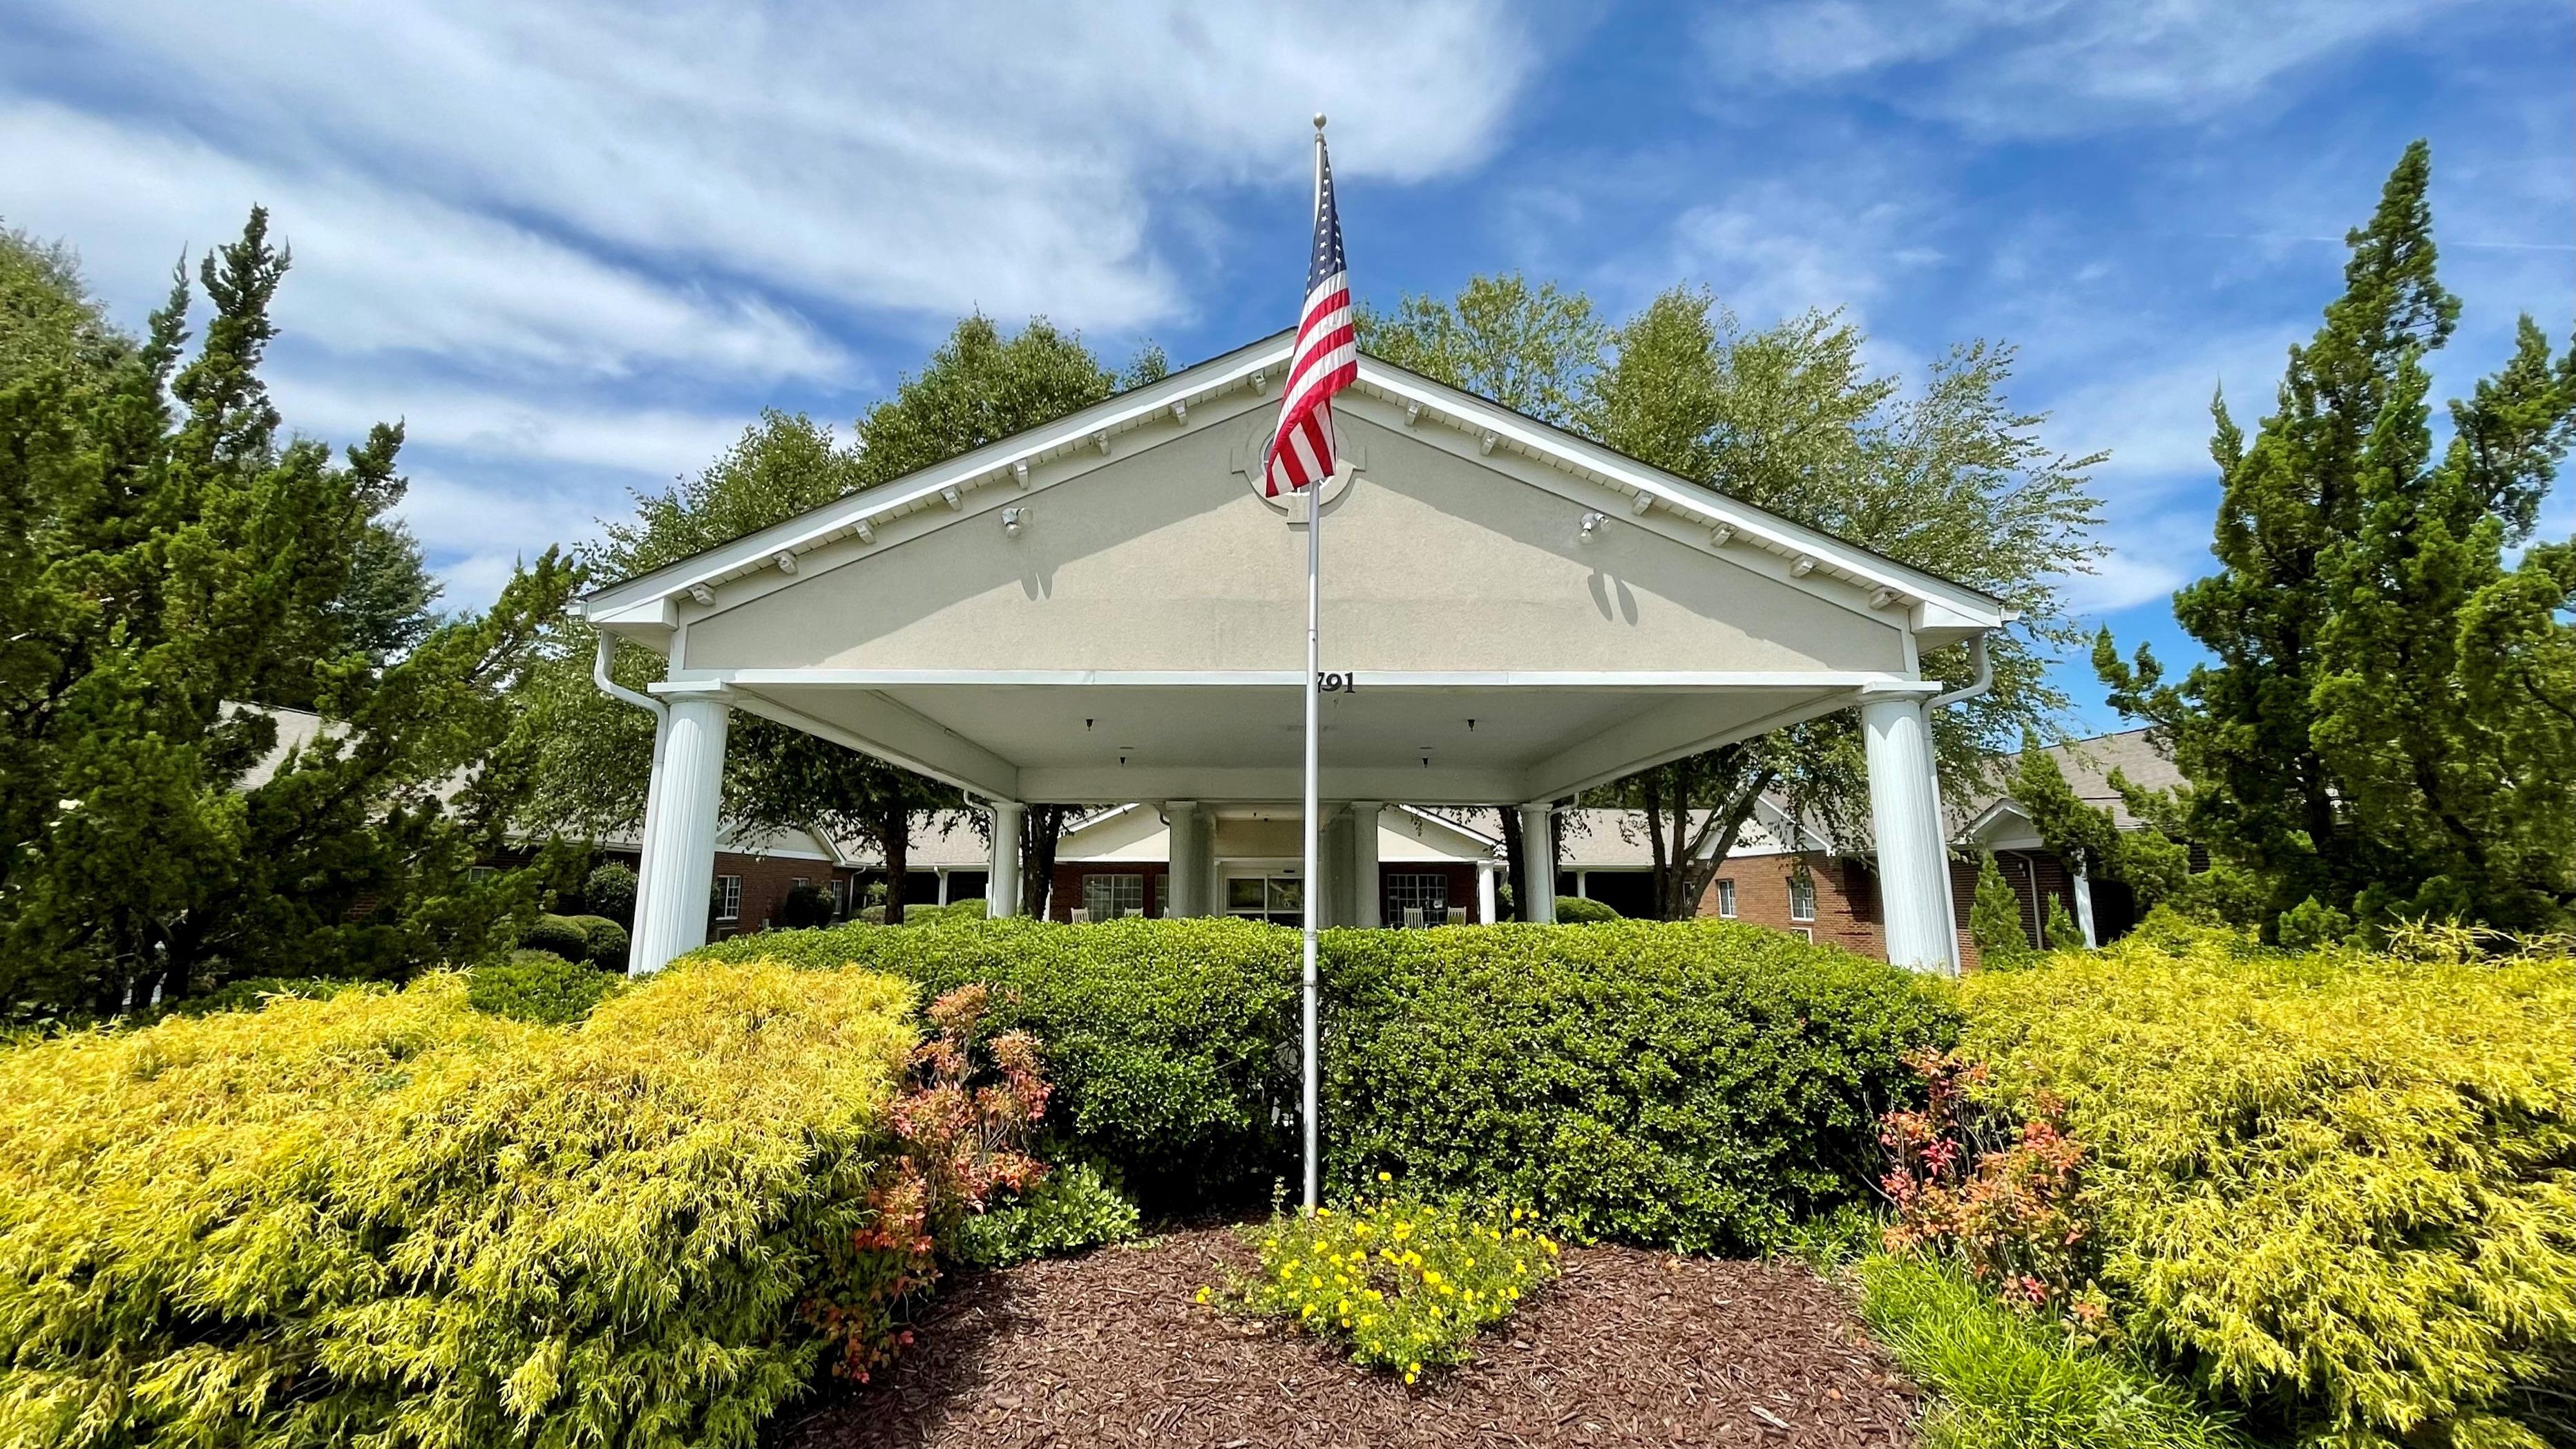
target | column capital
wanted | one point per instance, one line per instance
(713, 691)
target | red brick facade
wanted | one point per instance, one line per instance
(1846, 908)
(766, 880)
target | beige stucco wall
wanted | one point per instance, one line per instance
(1163, 559)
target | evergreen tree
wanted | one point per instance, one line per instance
(1994, 919)
(2388, 723)
(171, 566)
(2063, 933)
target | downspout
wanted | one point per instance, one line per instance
(615, 690)
(1984, 681)
(653, 779)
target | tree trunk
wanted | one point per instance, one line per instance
(1514, 874)
(894, 838)
(1039, 833)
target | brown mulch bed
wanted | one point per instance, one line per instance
(1628, 1347)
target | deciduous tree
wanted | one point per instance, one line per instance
(596, 753)
(1948, 477)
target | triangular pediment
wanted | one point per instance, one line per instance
(1129, 537)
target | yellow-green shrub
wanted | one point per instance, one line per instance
(386, 1218)
(2337, 1188)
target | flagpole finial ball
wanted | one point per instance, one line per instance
(1319, 120)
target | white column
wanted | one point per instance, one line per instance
(1905, 815)
(1337, 904)
(1002, 881)
(1211, 879)
(2084, 904)
(1186, 857)
(1485, 901)
(1367, 897)
(680, 834)
(1538, 864)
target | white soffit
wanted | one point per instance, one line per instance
(1708, 520)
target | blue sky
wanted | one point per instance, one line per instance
(577, 246)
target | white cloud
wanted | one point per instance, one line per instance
(932, 158)
(659, 443)
(378, 269)
(2047, 67)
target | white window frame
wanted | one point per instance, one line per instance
(1802, 884)
(1118, 882)
(1433, 904)
(729, 902)
(1726, 900)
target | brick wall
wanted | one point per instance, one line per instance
(1847, 905)
(766, 879)
(1066, 894)
(1846, 913)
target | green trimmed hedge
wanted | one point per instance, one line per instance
(1697, 1085)
(1694, 1085)
(1162, 1037)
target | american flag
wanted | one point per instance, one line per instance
(1326, 358)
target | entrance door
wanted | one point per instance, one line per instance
(1278, 899)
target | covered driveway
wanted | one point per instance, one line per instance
(1104, 610)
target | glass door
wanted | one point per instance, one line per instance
(1278, 899)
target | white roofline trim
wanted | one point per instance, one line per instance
(1492, 842)
(997, 462)
(1583, 679)
(1728, 520)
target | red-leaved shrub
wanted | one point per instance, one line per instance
(962, 1124)
(1996, 1191)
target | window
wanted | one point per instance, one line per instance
(840, 896)
(1108, 897)
(728, 898)
(1277, 899)
(1726, 899)
(477, 874)
(1426, 893)
(1802, 897)
(1163, 894)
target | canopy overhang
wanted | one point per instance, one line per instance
(1105, 610)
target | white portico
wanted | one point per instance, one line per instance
(1104, 611)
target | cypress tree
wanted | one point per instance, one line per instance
(2387, 726)
(1994, 920)
(170, 562)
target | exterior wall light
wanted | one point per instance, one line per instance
(1013, 520)
(702, 593)
(1591, 526)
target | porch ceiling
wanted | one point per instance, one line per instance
(1241, 738)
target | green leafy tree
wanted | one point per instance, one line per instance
(596, 753)
(1526, 347)
(171, 566)
(2387, 724)
(1949, 478)
(1994, 919)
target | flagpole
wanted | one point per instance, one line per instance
(1314, 708)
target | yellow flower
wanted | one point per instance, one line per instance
(1386, 1177)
